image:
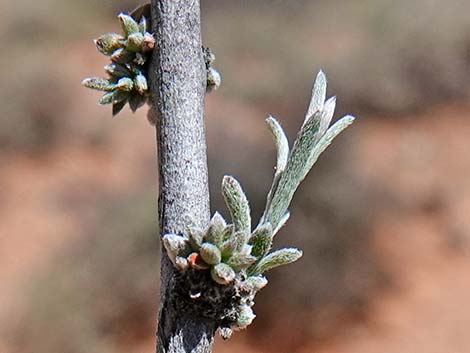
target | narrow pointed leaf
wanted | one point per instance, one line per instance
(275, 259)
(237, 204)
(282, 144)
(318, 95)
(98, 83)
(128, 24)
(294, 172)
(326, 140)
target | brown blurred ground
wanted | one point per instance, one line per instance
(383, 219)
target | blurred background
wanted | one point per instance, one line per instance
(383, 218)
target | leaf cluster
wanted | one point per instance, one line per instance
(235, 254)
(129, 53)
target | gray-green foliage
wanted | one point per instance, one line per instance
(234, 253)
(129, 53)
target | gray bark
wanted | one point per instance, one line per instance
(177, 80)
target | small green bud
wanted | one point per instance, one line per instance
(245, 316)
(108, 43)
(210, 253)
(134, 42)
(217, 226)
(140, 83)
(223, 274)
(128, 24)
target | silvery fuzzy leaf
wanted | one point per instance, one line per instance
(237, 204)
(318, 96)
(117, 70)
(240, 261)
(118, 106)
(98, 83)
(210, 253)
(261, 239)
(294, 171)
(275, 259)
(140, 83)
(282, 144)
(108, 43)
(326, 116)
(128, 24)
(326, 140)
(245, 317)
(134, 42)
(223, 274)
(282, 222)
(175, 245)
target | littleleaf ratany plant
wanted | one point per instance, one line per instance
(234, 256)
